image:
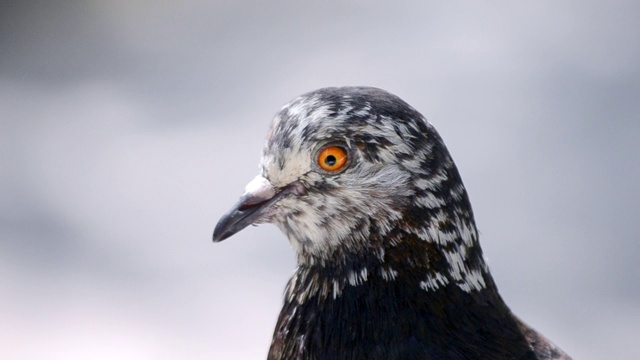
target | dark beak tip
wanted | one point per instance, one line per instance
(220, 237)
(221, 232)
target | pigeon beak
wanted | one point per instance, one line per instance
(258, 197)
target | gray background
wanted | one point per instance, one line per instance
(129, 127)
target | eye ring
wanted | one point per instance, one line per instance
(332, 158)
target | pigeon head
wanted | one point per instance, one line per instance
(357, 173)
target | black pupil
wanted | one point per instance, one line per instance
(330, 160)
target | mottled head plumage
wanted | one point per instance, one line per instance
(400, 184)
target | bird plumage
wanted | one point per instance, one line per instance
(389, 263)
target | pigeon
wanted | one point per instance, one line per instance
(389, 264)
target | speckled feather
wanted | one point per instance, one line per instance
(389, 263)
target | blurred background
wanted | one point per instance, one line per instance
(127, 128)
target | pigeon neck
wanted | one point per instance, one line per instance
(429, 235)
(398, 256)
(330, 312)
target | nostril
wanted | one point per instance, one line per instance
(252, 202)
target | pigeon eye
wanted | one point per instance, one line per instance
(332, 158)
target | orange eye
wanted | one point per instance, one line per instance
(332, 158)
